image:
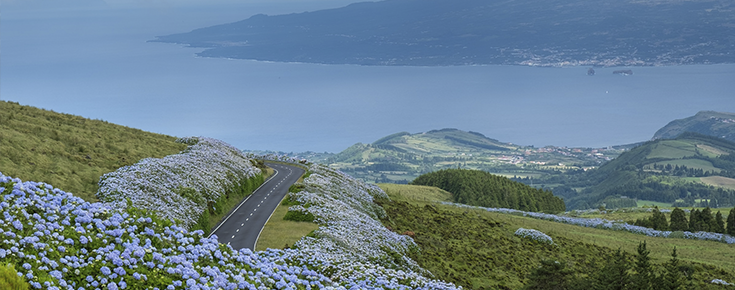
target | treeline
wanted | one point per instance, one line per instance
(618, 273)
(704, 221)
(479, 188)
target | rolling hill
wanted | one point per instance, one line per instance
(401, 157)
(681, 170)
(717, 124)
(69, 151)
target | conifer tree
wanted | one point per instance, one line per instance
(550, 275)
(707, 220)
(731, 222)
(695, 223)
(719, 224)
(672, 278)
(643, 277)
(658, 221)
(614, 276)
(679, 220)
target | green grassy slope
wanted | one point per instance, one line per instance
(478, 249)
(717, 124)
(69, 151)
(664, 170)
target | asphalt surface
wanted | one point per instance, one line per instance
(242, 227)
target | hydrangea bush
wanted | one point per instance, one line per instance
(351, 235)
(608, 224)
(179, 186)
(535, 235)
(59, 241)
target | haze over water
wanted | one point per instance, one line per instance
(97, 64)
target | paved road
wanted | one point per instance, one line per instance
(243, 225)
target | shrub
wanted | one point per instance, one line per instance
(10, 280)
(535, 235)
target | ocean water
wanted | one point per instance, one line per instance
(98, 64)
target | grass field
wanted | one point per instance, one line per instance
(719, 181)
(279, 233)
(710, 253)
(650, 203)
(71, 152)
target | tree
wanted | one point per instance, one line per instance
(708, 222)
(658, 221)
(643, 277)
(614, 276)
(672, 277)
(679, 220)
(719, 225)
(550, 275)
(731, 222)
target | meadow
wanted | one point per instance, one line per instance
(69, 151)
(486, 253)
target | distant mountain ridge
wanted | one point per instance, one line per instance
(447, 32)
(717, 124)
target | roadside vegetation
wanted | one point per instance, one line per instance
(69, 151)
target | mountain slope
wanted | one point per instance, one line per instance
(401, 157)
(717, 124)
(70, 151)
(665, 170)
(444, 32)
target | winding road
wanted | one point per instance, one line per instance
(242, 227)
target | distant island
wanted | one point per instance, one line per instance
(472, 32)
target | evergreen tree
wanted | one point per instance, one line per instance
(643, 277)
(550, 275)
(672, 278)
(731, 222)
(719, 224)
(695, 222)
(679, 220)
(614, 276)
(658, 221)
(708, 222)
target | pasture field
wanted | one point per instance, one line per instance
(719, 181)
(712, 257)
(650, 203)
(673, 149)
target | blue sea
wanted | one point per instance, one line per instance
(97, 63)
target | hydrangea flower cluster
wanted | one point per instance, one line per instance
(59, 241)
(360, 250)
(178, 186)
(535, 235)
(605, 224)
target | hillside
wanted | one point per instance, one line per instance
(716, 124)
(478, 248)
(479, 188)
(69, 151)
(401, 157)
(684, 170)
(445, 32)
